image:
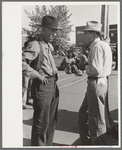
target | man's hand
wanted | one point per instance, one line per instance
(42, 79)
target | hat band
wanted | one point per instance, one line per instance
(98, 28)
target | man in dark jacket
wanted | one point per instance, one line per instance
(45, 93)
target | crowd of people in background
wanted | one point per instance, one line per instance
(74, 62)
(26, 87)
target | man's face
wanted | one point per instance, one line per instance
(48, 34)
(88, 38)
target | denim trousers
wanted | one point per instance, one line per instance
(92, 115)
(45, 104)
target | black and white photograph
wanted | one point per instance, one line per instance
(61, 74)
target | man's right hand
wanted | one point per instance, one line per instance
(42, 79)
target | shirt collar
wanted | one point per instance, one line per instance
(94, 42)
(46, 45)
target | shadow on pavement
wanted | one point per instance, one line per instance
(29, 108)
(26, 142)
(114, 74)
(58, 144)
(67, 121)
(28, 122)
(109, 140)
(77, 142)
(114, 114)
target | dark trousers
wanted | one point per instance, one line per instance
(25, 81)
(29, 95)
(45, 104)
(92, 118)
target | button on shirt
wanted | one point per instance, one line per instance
(31, 52)
(99, 59)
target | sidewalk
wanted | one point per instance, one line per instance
(67, 134)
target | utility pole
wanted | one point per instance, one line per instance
(105, 20)
(105, 29)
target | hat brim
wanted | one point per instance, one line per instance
(101, 33)
(37, 25)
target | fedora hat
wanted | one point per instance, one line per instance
(50, 22)
(94, 26)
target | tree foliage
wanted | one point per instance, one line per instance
(61, 39)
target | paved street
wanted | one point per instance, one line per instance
(72, 92)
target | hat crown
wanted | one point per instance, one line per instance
(93, 26)
(50, 21)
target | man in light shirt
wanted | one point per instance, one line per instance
(92, 118)
(41, 68)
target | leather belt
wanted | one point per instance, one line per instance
(50, 76)
(95, 78)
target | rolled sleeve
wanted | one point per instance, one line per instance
(30, 53)
(32, 50)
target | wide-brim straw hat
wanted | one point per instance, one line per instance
(94, 26)
(50, 22)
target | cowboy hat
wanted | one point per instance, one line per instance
(94, 26)
(50, 22)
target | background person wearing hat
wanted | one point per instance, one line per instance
(74, 64)
(45, 93)
(65, 64)
(92, 118)
(82, 61)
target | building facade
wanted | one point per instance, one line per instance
(112, 35)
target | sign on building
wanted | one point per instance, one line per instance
(113, 35)
(80, 36)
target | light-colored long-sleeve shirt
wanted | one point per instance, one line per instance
(99, 59)
(31, 52)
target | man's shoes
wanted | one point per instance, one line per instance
(99, 141)
(23, 107)
(113, 131)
